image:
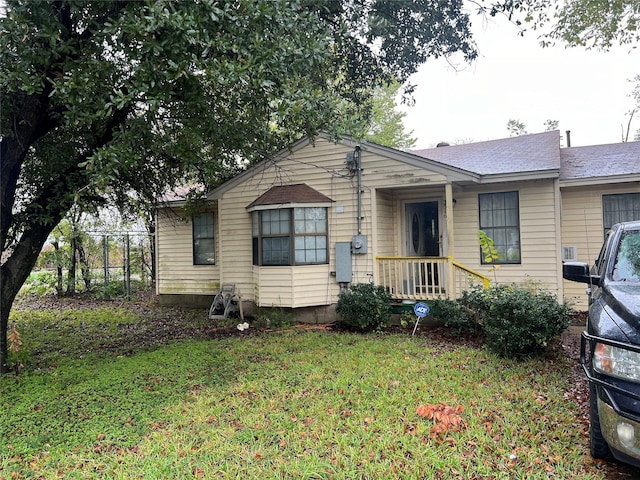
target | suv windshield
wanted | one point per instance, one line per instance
(627, 266)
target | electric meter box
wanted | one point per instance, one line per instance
(359, 244)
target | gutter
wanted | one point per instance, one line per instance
(606, 180)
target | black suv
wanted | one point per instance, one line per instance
(610, 350)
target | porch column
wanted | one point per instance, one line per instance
(448, 197)
(448, 192)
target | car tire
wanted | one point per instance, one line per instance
(597, 444)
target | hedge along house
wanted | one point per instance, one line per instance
(294, 231)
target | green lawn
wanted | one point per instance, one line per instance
(296, 404)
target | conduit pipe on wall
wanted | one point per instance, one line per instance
(357, 156)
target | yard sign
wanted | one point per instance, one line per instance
(421, 310)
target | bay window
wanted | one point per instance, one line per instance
(290, 236)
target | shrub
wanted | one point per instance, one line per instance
(453, 315)
(516, 321)
(365, 307)
(41, 283)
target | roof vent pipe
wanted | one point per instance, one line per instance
(568, 138)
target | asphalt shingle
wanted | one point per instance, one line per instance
(600, 161)
(526, 153)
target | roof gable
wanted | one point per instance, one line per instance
(451, 172)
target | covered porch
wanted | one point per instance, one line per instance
(415, 235)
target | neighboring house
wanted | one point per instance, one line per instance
(293, 231)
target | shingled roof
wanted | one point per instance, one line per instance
(526, 153)
(288, 194)
(600, 161)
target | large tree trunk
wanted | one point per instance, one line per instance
(30, 119)
(55, 199)
(19, 258)
(14, 273)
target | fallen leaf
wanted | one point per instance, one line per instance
(446, 417)
(198, 472)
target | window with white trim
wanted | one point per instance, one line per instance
(204, 252)
(500, 220)
(290, 236)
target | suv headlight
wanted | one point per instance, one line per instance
(616, 362)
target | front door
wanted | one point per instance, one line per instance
(422, 230)
(422, 240)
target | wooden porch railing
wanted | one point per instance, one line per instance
(424, 278)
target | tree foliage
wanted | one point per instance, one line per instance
(635, 96)
(597, 24)
(517, 128)
(386, 127)
(105, 100)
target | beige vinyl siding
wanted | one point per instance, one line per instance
(538, 234)
(582, 227)
(322, 167)
(174, 249)
(236, 261)
(385, 224)
(294, 287)
(275, 286)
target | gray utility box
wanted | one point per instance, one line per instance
(359, 244)
(343, 262)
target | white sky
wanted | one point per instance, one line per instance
(586, 91)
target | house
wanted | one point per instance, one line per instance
(294, 231)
